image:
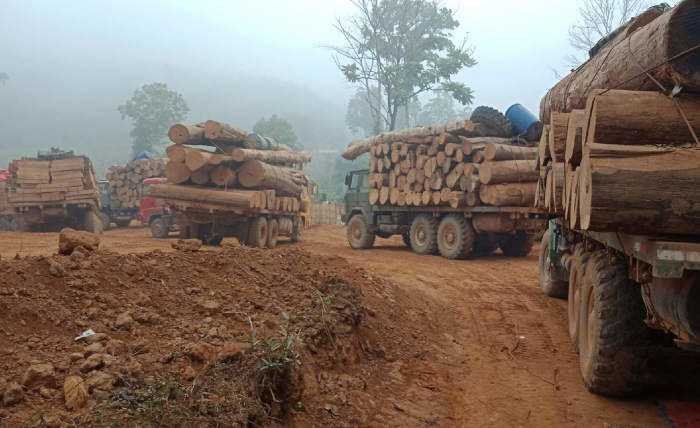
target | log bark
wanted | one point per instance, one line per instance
(270, 156)
(543, 154)
(558, 129)
(642, 194)
(508, 171)
(197, 158)
(620, 64)
(638, 117)
(493, 222)
(259, 175)
(187, 134)
(497, 151)
(509, 194)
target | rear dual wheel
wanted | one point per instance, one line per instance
(423, 234)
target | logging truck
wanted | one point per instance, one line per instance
(453, 232)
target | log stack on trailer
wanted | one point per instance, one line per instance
(620, 173)
(217, 167)
(125, 180)
(56, 189)
(452, 187)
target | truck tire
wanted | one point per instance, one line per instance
(576, 273)
(298, 229)
(273, 229)
(257, 232)
(359, 236)
(611, 329)
(91, 222)
(123, 223)
(406, 236)
(455, 237)
(158, 228)
(548, 285)
(424, 234)
(106, 221)
(518, 244)
(494, 120)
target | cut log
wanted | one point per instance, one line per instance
(437, 179)
(358, 147)
(224, 132)
(457, 199)
(201, 176)
(508, 171)
(426, 197)
(373, 196)
(197, 158)
(384, 195)
(230, 197)
(493, 222)
(177, 172)
(222, 175)
(558, 129)
(270, 156)
(638, 117)
(642, 194)
(394, 196)
(657, 47)
(496, 152)
(176, 153)
(574, 141)
(473, 199)
(186, 134)
(509, 194)
(260, 175)
(543, 154)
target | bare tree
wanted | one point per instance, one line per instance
(598, 19)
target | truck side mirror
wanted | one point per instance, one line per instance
(348, 180)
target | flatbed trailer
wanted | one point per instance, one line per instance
(619, 287)
(454, 233)
(212, 222)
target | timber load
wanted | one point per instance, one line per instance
(629, 162)
(655, 51)
(61, 181)
(125, 181)
(452, 165)
(210, 159)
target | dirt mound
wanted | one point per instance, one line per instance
(236, 336)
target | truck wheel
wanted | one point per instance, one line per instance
(273, 229)
(257, 232)
(158, 228)
(424, 234)
(106, 222)
(516, 245)
(455, 237)
(123, 223)
(548, 285)
(297, 230)
(611, 329)
(406, 236)
(359, 237)
(92, 222)
(576, 272)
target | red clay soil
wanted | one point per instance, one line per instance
(379, 337)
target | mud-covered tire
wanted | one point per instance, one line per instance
(406, 237)
(498, 125)
(423, 234)
(455, 237)
(273, 229)
(576, 273)
(257, 232)
(106, 221)
(297, 230)
(91, 222)
(359, 235)
(611, 332)
(158, 228)
(548, 285)
(518, 244)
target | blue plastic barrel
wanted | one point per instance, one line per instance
(525, 122)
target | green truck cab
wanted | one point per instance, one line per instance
(454, 233)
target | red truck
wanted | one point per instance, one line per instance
(157, 217)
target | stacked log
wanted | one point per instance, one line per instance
(230, 159)
(37, 182)
(453, 167)
(125, 180)
(633, 164)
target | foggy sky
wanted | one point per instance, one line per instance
(71, 63)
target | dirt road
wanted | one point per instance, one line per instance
(478, 345)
